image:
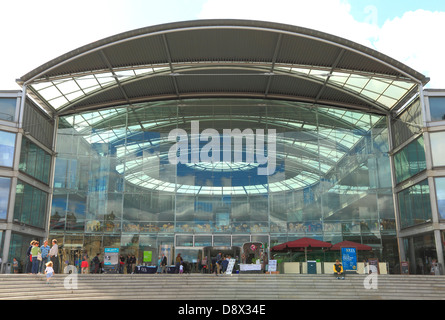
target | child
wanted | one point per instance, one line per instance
(181, 268)
(84, 266)
(49, 271)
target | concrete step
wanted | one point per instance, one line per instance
(210, 287)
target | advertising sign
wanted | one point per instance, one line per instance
(349, 259)
(272, 265)
(111, 256)
(147, 256)
(230, 266)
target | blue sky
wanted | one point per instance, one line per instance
(38, 31)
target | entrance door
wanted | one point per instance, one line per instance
(210, 254)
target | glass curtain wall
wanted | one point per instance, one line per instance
(115, 184)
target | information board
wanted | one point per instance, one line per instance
(404, 267)
(147, 256)
(349, 259)
(230, 266)
(272, 265)
(111, 256)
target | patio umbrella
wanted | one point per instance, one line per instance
(302, 243)
(351, 244)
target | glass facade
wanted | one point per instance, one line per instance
(175, 173)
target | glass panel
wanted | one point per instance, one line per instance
(415, 205)
(30, 205)
(437, 108)
(410, 160)
(7, 147)
(437, 149)
(7, 109)
(440, 194)
(5, 185)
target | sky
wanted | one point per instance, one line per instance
(34, 32)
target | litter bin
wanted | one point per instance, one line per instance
(312, 267)
(7, 267)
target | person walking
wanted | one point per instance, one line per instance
(96, 262)
(178, 262)
(35, 252)
(84, 265)
(54, 255)
(28, 266)
(45, 255)
(49, 271)
(164, 264)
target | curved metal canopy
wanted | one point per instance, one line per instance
(222, 58)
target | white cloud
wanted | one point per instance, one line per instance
(411, 39)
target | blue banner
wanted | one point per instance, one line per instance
(349, 259)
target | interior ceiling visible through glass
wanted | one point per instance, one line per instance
(384, 91)
(310, 144)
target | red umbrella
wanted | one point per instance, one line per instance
(350, 244)
(302, 243)
(307, 243)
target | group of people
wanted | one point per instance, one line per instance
(39, 256)
(40, 259)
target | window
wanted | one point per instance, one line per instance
(5, 184)
(437, 108)
(7, 147)
(437, 150)
(440, 194)
(415, 205)
(30, 205)
(7, 109)
(34, 161)
(410, 160)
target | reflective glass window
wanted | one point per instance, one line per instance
(410, 160)
(35, 161)
(7, 109)
(415, 205)
(440, 194)
(114, 173)
(30, 205)
(437, 148)
(437, 108)
(5, 185)
(7, 147)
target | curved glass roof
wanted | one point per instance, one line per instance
(311, 140)
(225, 58)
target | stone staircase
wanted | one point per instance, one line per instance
(224, 287)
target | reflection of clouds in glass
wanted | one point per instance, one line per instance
(437, 139)
(4, 196)
(440, 193)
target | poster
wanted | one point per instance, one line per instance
(111, 256)
(230, 266)
(272, 265)
(349, 259)
(147, 256)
